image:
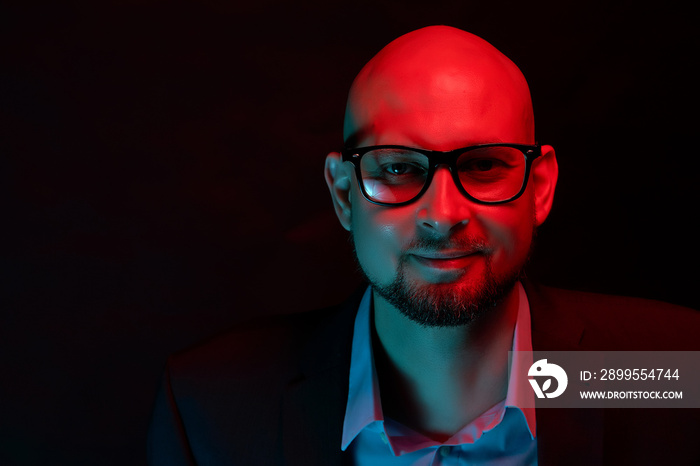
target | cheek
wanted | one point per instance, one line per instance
(378, 234)
(509, 229)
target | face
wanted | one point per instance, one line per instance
(443, 258)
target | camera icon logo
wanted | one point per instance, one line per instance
(542, 368)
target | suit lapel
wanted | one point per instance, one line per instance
(314, 406)
(313, 421)
(564, 436)
(569, 436)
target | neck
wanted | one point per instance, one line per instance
(436, 380)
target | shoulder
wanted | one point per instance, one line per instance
(616, 322)
(271, 350)
(225, 397)
(249, 344)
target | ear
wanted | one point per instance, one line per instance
(339, 180)
(545, 172)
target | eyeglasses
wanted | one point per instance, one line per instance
(487, 173)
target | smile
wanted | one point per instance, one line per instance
(445, 260)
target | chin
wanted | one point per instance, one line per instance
(448, 304)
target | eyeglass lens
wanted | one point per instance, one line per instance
(488, 174)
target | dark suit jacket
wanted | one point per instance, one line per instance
(275, 393)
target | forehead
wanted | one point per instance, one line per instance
(439, 89)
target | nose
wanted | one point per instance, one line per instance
(443, 209)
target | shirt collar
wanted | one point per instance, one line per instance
(364, 407)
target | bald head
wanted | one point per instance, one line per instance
(439, 88)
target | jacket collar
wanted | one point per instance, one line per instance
(553, 328)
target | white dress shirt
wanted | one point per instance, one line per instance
(503, 435)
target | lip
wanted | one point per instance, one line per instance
(443, 255)
(445, 260)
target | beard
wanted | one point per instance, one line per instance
(448, 304)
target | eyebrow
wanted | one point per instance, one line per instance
(352, 141)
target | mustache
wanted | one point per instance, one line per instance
(468, 244)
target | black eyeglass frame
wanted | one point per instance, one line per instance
(437, 158)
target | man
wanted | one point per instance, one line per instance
(442, 185)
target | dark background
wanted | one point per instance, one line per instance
(161, 175)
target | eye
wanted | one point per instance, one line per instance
(481, 165)
(394, 166)
(399, 168)
(402, 168)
